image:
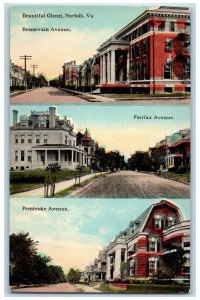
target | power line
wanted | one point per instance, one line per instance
(25, 57)
(34, 67)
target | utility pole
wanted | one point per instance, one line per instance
(25, 57)
(34, 67)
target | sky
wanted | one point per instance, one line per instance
(74, 238)
(115, 127)
(49, 50)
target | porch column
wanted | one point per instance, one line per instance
(112, 80)
(45, 159)
(34, 158)
(117, 263)
(72, 156)
(108, 267)
(101, 69)
(58, 156)
(128, 65)
(104, 68)
(108, 67)
(76, 157)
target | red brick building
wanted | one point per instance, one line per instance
(145, 243)
(149, 55)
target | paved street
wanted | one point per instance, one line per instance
(55, 96)
(52, 288)
(46, 95)
(129, 184)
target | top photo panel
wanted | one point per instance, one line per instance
(108, 54)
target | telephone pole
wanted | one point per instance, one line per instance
(34, 67)
(25, 57)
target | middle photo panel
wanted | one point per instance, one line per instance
(100, 151)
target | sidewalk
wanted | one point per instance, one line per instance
(60, 186)
(87, 288)
(17, 93)
(90, 97)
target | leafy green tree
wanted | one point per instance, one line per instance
(40, 272)
(22, 251)
(124, 269)
(172, 264)
(73, 276)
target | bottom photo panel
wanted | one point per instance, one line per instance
(99, 246)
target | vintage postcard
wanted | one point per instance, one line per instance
(100, 159)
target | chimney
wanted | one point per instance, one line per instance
(52, 117)
(15, 113)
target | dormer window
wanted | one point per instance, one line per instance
(42, 121)
(24, 121)
(171, 220)
(158, 221)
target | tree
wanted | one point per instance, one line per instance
(22, 251)
(73, 276)
(172, 264)
(125, 269)
(29, 267)
(140, 161)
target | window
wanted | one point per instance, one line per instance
(37, 139)
(22, 155)
(169, 45)
(161, 26)
(65, 139)
(187, 71)
(158, 221)
(152, 265)
(29, 154)
(22, 139)
(152, 246)
(16, 155)
(16, 139)
(168, 71)
(171, 26)
(45, 139)
(30, 139)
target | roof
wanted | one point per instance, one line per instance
(142, 219)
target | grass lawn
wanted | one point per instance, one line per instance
(182, 95)
(22, 181)
(18, 188)
(183, 177)
(148, 289)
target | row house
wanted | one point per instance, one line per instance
(178, 150)
(17, 75)
(43, 138)
(70, 73)
(149, 55)
(97, 270)
(173, 152)
(144, 244)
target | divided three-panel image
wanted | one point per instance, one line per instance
(100, 149)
